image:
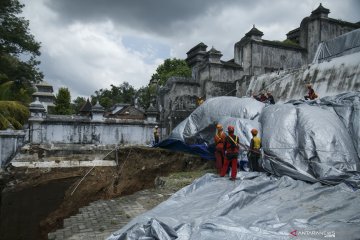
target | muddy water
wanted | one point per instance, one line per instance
(22, 210)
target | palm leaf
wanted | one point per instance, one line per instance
(14, 113)
(4, 122)
(5, 90)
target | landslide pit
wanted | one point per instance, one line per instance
(34, 201)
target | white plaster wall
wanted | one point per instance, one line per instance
(10, 140)
(93, 133)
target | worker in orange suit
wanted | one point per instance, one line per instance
(219, 140)
(311, 93)
(231, 149)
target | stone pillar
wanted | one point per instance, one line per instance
(37, 116)
(97, 112)
(151, 114)
(37, 109)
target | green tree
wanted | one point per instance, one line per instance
(63, 102)
(18, 48)
(127, 92)
(18, 64)
(13, 114)
(145, 95)
(171, 68)
(124, 93)
(78, 103)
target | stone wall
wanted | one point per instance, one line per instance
(268, 58)
(176, 100)
(219, 73)
(215, 89)
(107, 132)
(339, 75)
(10, 141)
(315, 30)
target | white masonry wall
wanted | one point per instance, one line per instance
(10, 140)
(100, 132)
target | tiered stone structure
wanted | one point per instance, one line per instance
(45, 94)
(253, 56)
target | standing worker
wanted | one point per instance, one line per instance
(254, 151)
(219, 147)
(311, 93)
(231, 149)
(199, 101)
(156, 135)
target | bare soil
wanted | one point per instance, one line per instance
(34, 202)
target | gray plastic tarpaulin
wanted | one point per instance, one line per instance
(307, 140)
(316, 141)
(258, 206)
(200, 125)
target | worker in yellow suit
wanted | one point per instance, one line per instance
(254, 152)
(156, 135)
(199, 101)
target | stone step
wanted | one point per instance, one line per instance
(99, 217)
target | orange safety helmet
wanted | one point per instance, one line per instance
(231, 129)
(254, 131)
(219, 127)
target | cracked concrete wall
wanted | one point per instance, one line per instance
(100, 132)
(322, 29)
(10, 141)
(176, 101)
(268, 58)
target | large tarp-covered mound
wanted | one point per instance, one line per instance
(315, 141)
(258, 206)
(312, 141)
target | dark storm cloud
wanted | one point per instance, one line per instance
(106, 42)
(159, 16)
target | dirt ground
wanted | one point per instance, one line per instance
(44, 197)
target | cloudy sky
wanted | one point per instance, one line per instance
(91, 44)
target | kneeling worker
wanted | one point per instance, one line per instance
(254, 151)
(311, 93)
(231, 149)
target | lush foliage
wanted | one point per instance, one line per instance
(291, 43)
(63, 102)
(13, 114)
(145, 95)
(124, 93)
(18, 48)
(170, 68)
(18, 64)
(77, 104)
